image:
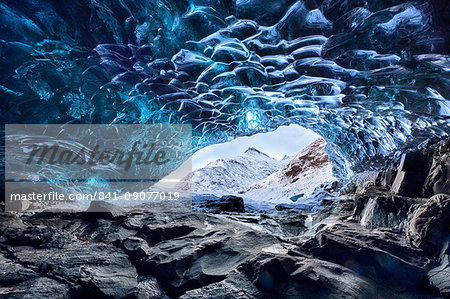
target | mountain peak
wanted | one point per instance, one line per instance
(252, 150)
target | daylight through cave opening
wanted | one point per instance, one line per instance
(280, 166)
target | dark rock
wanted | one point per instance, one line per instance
(136, 248)
(292, 222)
(381, 256)
(38, 236)
(422, 172)
(39, 287)
(329, 186)
(386, 178)
(382, 211)
(290, 275)
(207, 255)
(17, 205)
(283, 207)
(91, 269)
(299, 277)
(429, 223)
(438, 179)
(409, 183)
(349, 188)
(13, 273)
(156, 234)
(411, 174)
(149, 288)
(439, 276)
(227, 203)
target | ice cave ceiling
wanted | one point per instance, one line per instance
(369, 76)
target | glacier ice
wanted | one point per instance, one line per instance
(369, 76)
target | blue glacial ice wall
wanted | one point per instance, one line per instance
(369, 76)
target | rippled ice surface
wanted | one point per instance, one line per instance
(369, 76)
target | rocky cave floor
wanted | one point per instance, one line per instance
(371, 241)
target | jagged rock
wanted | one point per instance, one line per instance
(271, 275)
(292, 221)
(136, 248)
(380, 255)
(39, 236)
(39, 287)
(149, 288)
(214, 247)
(438, 179)
(13, 273)
(411, 174)
(349, 188)
(383, 211)
(90, 269)
(386, 178)
(429, 223)
(156, 234)
(439, 276)
(298, 277)
(422, 172)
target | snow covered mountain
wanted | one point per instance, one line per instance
(229, 176)
(258, 177)
(298, 178)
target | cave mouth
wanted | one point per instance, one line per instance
(285, 141)
(283, 166)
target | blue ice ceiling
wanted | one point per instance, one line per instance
(369, 76)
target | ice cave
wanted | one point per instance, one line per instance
(370, 78)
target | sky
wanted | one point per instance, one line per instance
(286, 140)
